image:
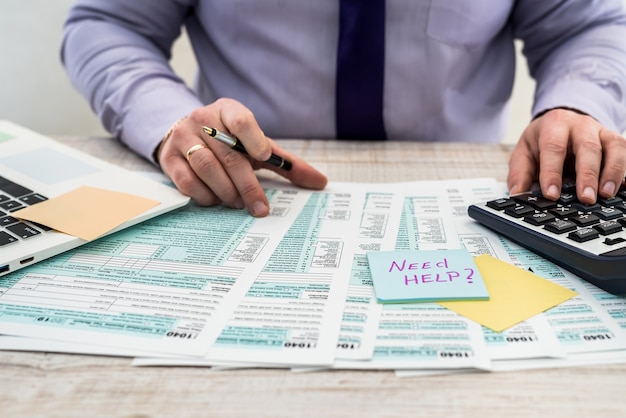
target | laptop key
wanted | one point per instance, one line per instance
(41, 226)
(11, 205)
(7, 220)
(32, 199)
(22, 230)
(15, 189)
(6, 238)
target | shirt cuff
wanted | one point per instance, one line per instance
(584, 97)
(152, 113)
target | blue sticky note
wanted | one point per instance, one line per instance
(426, 276)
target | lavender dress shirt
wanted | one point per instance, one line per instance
(449, 64)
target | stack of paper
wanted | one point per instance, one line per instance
(217, 287)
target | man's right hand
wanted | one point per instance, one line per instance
(217, 174)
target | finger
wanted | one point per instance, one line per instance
(523, 165)
(614, 165)
(246, 186)
(302, 174)
(186, 180)
(236, 184)
(239, 121)
(587, 150)
(553, 148)
(209, 168)
(176, 156)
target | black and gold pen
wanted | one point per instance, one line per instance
(275, 160)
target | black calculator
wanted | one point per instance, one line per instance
(587, 240)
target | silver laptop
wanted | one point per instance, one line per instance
(34, 168)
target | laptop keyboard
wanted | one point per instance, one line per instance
(13, 197)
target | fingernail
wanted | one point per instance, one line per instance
(554, 191)
(609, 188)
(259, 209)
(589, 193)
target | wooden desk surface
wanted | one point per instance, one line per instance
(38, 384)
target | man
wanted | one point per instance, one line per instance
(446, 73)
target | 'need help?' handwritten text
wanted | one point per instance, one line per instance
(427, 275)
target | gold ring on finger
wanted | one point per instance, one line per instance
(194, 149)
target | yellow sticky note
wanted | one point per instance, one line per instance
(515, 295)
(86, 212)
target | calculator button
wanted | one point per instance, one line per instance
(568, 186)
(567, 198)
(608, 228)
(563, 211)
(560, 226)
(621, 207)
(539, 218)
(500, 204)
(586, 208)
(584, 234)
(614, 241)
(519, 210)
(608, 213)
(584, 219)
(611, 201)
(538, 202)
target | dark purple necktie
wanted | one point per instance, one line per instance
(360, 70)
